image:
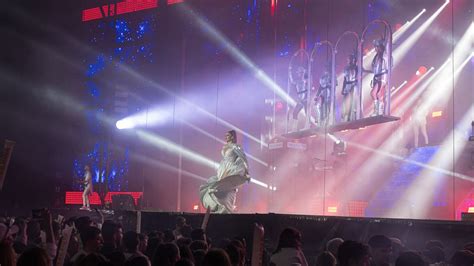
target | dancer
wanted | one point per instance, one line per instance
(419, 121)
(220, 191)
(348, 88)
(88, 189)
(323, 97)
(300, 80)
(379, 80)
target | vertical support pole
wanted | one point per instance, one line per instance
(360, 63)
(389, 69)
(333, 83)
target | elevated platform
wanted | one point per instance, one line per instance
(356, 124)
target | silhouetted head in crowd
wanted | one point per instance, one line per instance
(91, 238)
(166, 255)
(131, 242)
(183, 241)
(352, 253)
(33, 232)
(152, 245)
(462, 258)
(34, 256)
(434, 243)
(184, 262)
(93, 259)
(333, 245)
(180, 222)
(112, 233)
(7, 255)
(236, 254)
(82, 222)
(216, 257)
(143, 243)
(380, 250)
(410, 258)
(117, 258)
(198, 234)
(198, 244)
(326, 259)
(469, 246)
(186, 231)
(185, 252)
(397, 248)
(137, 261)
(168, 236)
(289, 238)
(434, 254)
(198, 256)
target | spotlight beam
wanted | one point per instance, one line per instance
(400, 32)
(173, 148)
(207, 134)
(214, 34)
(403, 49)
(429, 167)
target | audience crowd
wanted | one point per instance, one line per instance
(79, 241)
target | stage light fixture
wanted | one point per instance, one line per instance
(339, 149)
(269, 119)
(269, 102)
(437, 114)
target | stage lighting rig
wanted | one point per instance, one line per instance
(339, 148)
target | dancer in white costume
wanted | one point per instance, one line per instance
(220, 191)
(88, 188)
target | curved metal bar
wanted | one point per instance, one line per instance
(387, 34)
(359, 62)
(333, 73)
(299, 52)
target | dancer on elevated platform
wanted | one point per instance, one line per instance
(349, 88)
(380, 76)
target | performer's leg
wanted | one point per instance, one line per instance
(351, 111)
(345, 108)
(381, 97)
(87, 192)
(297, 110)
(374, 95)
(424, 132)
(84, 198)
(417, 130)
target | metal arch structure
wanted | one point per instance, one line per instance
(303, 54)
(388, 36)
(333, 73)
(359, 65)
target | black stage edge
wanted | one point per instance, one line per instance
(356, 124)
(317, 230)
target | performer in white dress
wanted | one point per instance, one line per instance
(220, 191)
(88, 189)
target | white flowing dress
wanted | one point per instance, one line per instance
(219, 192)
